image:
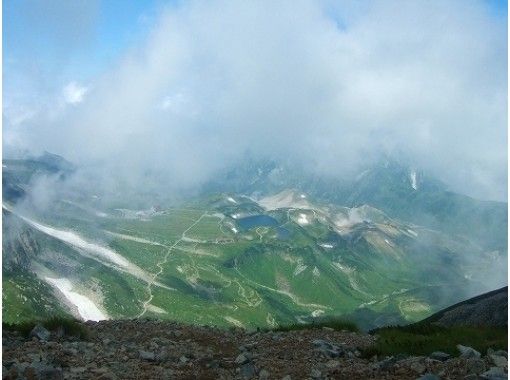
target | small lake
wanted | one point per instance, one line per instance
(257, 221)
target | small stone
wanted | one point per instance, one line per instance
(183, 359)
(439, 355)
(40, 333)
(332, 364)
(499, 361)
(146, 355)
(386, 363)
(242, 359)
(429, 376)
(263, 374)
(77, 369)
(161, 356)
(252, 331)
(476, 366)
(320, 343)
(315, 373)
(49, 373)
(468, 352)
(59, 332)
(335, 353)
(495, 373)
(417, 367)
(213, 364)
(286, 377)
(70, 351)
(501, 353)
(248, 370)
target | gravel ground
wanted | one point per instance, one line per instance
(142, 349)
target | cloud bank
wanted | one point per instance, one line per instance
(330, 85)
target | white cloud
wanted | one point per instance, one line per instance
(74, 93)
(175, 103)
(328, 83)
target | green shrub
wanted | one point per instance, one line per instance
(335, 324)
(423, 339)
(70, 327)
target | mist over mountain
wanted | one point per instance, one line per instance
(330, 86)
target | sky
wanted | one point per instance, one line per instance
(182, 89)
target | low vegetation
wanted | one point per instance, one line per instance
(66, 326)
(423, 339)
(332, 323)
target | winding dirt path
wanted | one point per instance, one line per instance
(163, 262)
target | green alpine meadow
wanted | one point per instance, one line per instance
(286, 256)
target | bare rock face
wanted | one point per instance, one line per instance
(19, 246)
(489, 309)
(40, 333)
(468, 352)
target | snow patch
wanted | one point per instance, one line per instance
(300, 268)
(412, 232)
(365, 304)
(326, 245)
(96, 251)
(155, 309)
(230, 199)
(285, 199)
(133, 238)
(234, 321)
(303, 219)
(317, 313)
(388, 242)
(77, 241)
(412, 177)
(86, 308)
(235, 230)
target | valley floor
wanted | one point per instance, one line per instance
(143, 349)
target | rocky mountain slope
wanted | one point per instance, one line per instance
(489, 309)
(143, 349)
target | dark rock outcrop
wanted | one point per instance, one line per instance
(489, 309)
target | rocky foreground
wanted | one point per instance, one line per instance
(164, 350)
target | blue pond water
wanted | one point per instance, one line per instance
(257, 221)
